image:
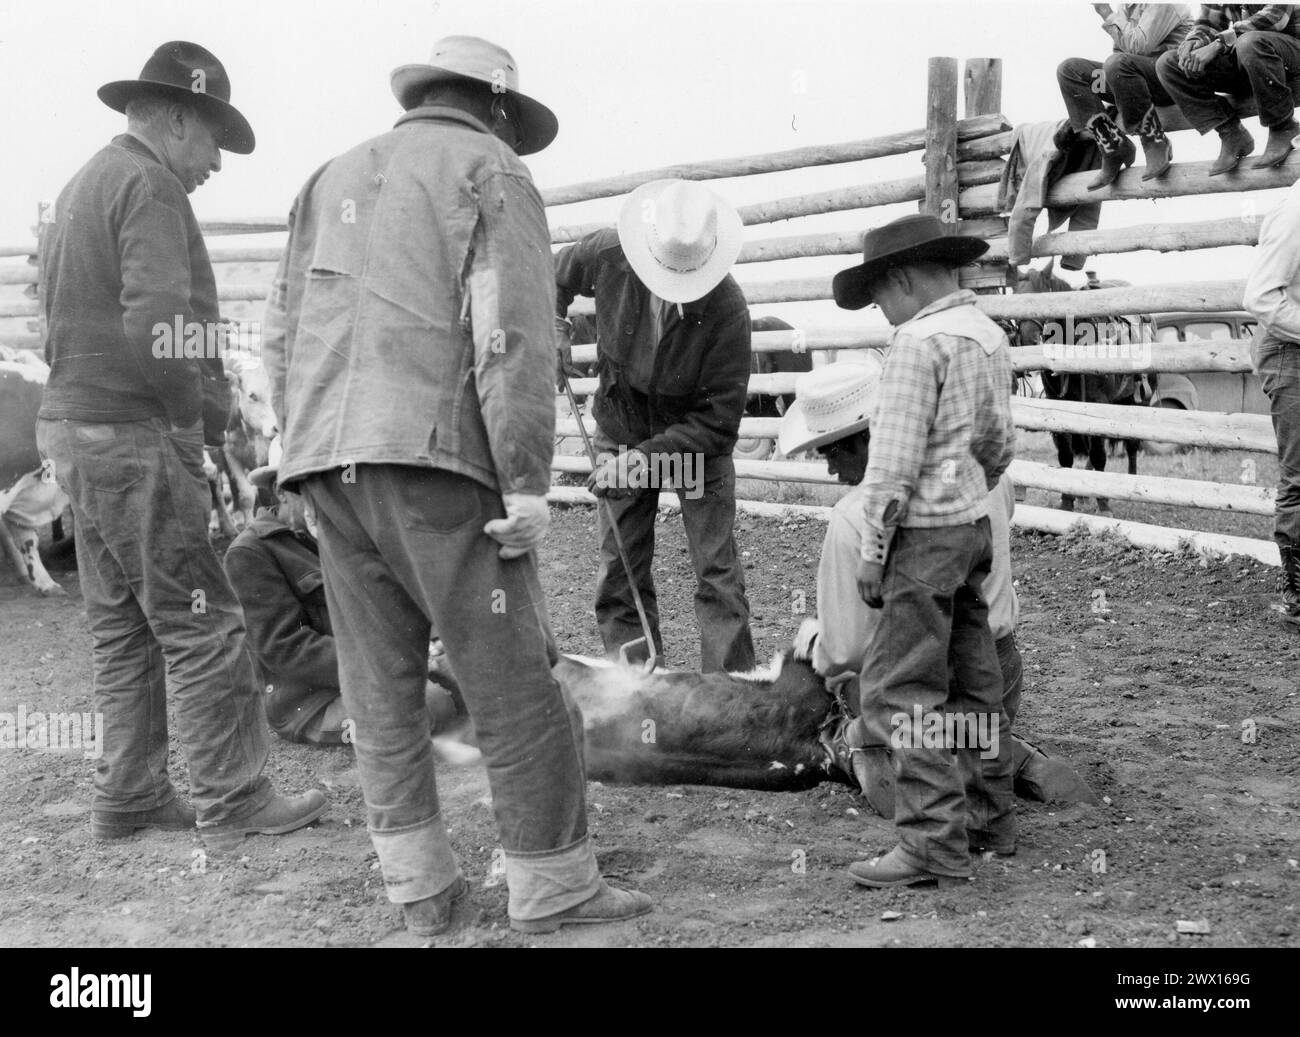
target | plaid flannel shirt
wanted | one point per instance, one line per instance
(941, 434)
(1225, 22)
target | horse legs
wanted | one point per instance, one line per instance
(1097, 462)
(1065, 458)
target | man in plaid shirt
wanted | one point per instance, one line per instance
(1240, 49)
(941, 436)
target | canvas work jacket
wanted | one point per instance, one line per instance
(699, 373)
(411, 319)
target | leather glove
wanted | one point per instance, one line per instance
(804, 640)
(525, 524)
(621, 475)
(871, 577)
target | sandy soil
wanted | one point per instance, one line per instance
(1141, 669)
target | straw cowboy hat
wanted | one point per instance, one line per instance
(831, 402)
(269, 472)
(192, 74)
(468, 57)
(907, 240)
(679, 238)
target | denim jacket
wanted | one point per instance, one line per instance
(410, 321)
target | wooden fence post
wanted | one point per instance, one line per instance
(983, 89)
(941, 142)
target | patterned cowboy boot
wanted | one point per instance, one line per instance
(1158, 152)
(1117, 151)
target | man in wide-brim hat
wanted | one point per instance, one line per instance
(941, 437)
(123, 422)
(410, 344)
(673, 360)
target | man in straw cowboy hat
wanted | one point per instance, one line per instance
(673, 359)
(832, 415)
(123, 423)
(411, 351)
(937, 448)
(274, 566)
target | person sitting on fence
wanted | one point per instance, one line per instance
(941, 438)
(1127, 79)
(1239, 49)
(274, 566)
(832, 415)
(673, 357)
(1273, 295)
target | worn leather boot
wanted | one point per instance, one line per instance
(1117, 151)
(1157, 151)
(432, 915)
(1236, 144)
(608, 905)
(1289, 606)
(283, 814)
(174, 816)
(1279, 145)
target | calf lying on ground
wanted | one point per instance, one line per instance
(773, 729)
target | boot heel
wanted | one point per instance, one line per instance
(106, 831)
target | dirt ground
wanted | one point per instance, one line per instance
(1150, 672)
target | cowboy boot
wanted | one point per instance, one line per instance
(1289, 606)
(1156, 149)
(1236, 144)
(1279, 145)
(1117, 151)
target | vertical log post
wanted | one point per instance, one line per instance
(983, 88)
(941, 142)
(983, 81)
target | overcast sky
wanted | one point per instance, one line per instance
(635, 84)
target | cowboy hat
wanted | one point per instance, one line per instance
(468, 57)
(831, 403)
(192, 74)
(910, 239)
(266, 476)
(679, 238)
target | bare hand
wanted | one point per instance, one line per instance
(1199, 59)
(527, 519)
(871, 578)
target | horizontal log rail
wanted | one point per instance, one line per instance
(1230, 355)
(1253, 432)
(1141, 534)
(1185, 493)
(968, 130)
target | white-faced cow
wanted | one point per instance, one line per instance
(249, 432)
(29, 496)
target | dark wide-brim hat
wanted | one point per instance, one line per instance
(915, 238)
(193, 75)
(479, 60)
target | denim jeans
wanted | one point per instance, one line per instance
(721, 607)
(403, 552)
(1278, 364)
(162, 618)
(1260, 63)
(1128, 81)
(931, 648)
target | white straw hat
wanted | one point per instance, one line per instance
(831, 402)
(679, 238)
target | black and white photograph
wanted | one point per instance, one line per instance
(663, 474)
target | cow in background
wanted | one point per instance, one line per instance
(29, 495)
(249, 432)
(1134, 389)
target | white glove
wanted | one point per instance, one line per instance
(526, 521)
(803, 640)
